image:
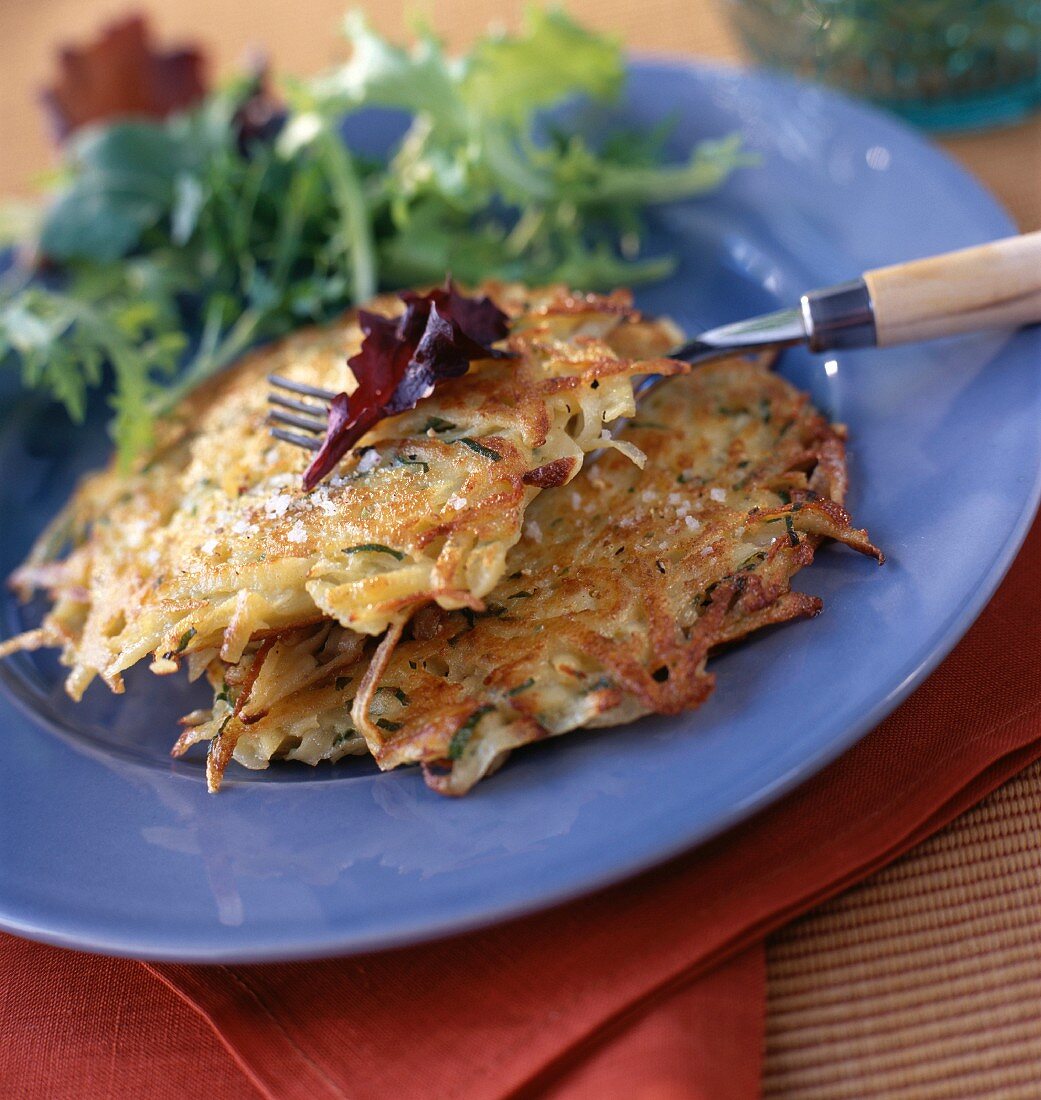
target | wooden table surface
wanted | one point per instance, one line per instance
(844, 1020)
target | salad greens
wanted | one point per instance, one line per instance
(170, 246)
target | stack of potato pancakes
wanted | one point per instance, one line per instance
(462, 582)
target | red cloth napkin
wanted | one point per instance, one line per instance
(652, 989)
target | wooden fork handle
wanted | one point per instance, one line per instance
(994, 285)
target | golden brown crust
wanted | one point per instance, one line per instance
(623, 585)
(213, 542)
(552, 474)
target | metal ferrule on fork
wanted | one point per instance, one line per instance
(841, 316)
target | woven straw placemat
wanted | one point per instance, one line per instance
(925, 981)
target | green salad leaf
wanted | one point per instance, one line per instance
(509, 78)
(170, 246)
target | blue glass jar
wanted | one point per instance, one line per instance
(943, 64)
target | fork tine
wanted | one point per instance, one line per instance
(309, 443)
(309, 424)
(297, 406)
(300, 387)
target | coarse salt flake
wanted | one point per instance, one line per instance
(692, 523)
(298, 532)
(369, 461)
(718, 494)
(320, 498)
(278, 505)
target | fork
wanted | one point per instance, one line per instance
(291, 412)
(993, 285)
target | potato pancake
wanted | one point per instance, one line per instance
(623, 585)
(212, 542)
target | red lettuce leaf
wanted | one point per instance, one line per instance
(479, 318)
(122, 75)
(261, 115)
(403, 359)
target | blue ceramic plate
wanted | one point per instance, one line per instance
(108, 845)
